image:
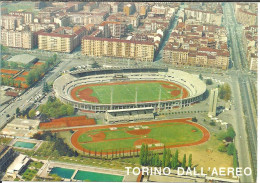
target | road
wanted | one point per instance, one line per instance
(246, 142)
(168, 33)
(29, 95)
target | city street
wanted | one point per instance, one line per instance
(244, 118)
(29, 95)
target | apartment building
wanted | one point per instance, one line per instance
(63, 21)
(63, 39)
(246, 18)
(159, 10)
(28, 17)
(253, 62)
(34, 27)
(7, 155)
(204, 16)
(214, 59)
(128, 9)
(17, 39)
(139, 50)
(113, 29)
(11, 22)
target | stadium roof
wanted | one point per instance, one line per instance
(22, 59)
(130, 109)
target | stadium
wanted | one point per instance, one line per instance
(128, 89)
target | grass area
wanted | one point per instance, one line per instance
(110, 145)
(26, 6)
(175, 134)
(116, 134)
(126, 93)
(36, 164)
(46, 149)
(29, 174)
(32, 170)
(5, 141)
(171, 134)
(84, 138)
(206, 155)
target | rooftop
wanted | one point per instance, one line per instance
(23, 58)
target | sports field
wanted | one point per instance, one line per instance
(128, 92)
(112, 138)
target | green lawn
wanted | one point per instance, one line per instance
(32, 170)
(27, 6)
(84, 138)
(116, 134)
(126, 93)
(166, 133)
(110, 145)
(175, 134)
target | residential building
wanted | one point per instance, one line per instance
(7, 156)
(139, 50)
(11, 22)
(246, 18)
(63, 39)
(113, 29)
(17, 39)
(28, 16)
(128, 9)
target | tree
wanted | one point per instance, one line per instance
(45, 88)
(164, 157)
(230, 149)
(175, 160)
(222, 148)
(209, 82)
(194, 119)
(95, 65)
(130, 28)
(184, 162)
(19, 84)
(13, 65)
(32, 113)
(190, 161)
(235, 162)
(17, 111)
(3, 48)
(231, 133)
(141, 157)
(200, 76)
(225, 92)
(168, 158)
(157, 160)
(55, 57)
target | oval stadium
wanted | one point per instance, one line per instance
(126, 88)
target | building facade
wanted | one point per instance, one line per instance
(61, 40)
(18, 39)
(139, 50)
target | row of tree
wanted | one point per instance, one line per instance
(149, 158)
(10, 82)
(36, 73)
(54, 108)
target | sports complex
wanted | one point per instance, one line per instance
(122, 88)
(127, 138)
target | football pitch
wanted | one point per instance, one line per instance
(128, 92)
(168, 133)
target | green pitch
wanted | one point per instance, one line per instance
(128, 93)
(168, 134)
